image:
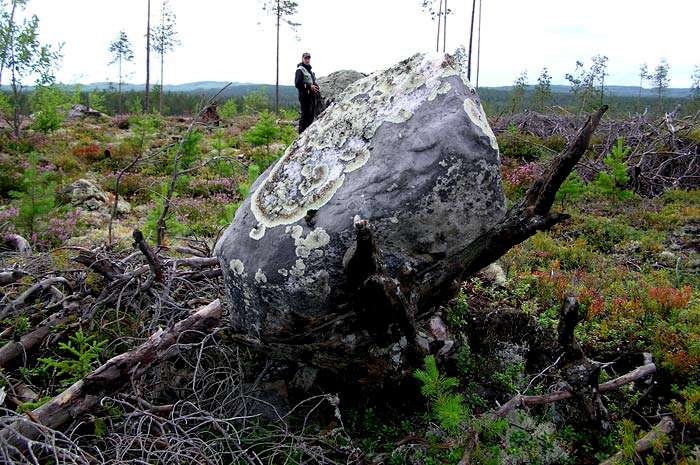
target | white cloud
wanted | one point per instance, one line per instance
(234, 40)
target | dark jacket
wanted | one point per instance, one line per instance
(303, 88)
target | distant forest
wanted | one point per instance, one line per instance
(253, 98)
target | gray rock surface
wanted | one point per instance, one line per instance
(87, 195)
(335, 83)
(408, 149)
(81, 111)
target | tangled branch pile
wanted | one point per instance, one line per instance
(664, 153)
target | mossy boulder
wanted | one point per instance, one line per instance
(408, 149)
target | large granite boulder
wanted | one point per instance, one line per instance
(408, 149)
(335, 83)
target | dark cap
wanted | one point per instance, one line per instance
(306, 54)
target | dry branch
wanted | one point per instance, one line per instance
(87, 393)
(528, 401)
(28, 296)
(151, 257)
(11, 276)
(662, 429)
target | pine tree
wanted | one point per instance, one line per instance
(599, 72)
(543, 90)
(660, 79)
(281, 10)
(121, 52)
(164, 40)
(518, 94)
(582, 83)
(643, 76)
(24, 56)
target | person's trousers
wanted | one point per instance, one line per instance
(307, 111)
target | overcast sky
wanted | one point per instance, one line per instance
(233, 40)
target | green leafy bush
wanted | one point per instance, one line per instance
(37, 198)
(515, 144)
(49, 105)
(229, 109)
(264, 132)
(82, 351)
(606, 234)
(612, 184)
(448, 408)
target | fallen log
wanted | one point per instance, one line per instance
(11, 276)
(662, 428)
(18, 243)
(32, 293)
(86, 394)
(30, 341)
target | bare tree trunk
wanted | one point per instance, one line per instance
(121, 97)
(277, 81)
(148, 60)
(11, 32)
(478, 48)
(160, 97)
(16, 119)
(471, 36)
(444, 30)
(437, 42)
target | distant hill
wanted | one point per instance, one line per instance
(242, 88)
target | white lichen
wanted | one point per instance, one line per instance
(316, 239)
(257, 232)
(314, 168)
(298, 269)
(237, 266)
(260, 277)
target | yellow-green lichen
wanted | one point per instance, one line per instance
(476, 115)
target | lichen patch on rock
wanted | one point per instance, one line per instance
(313, 169)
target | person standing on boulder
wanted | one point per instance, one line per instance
(305, 82)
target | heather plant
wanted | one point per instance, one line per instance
(517, 180)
